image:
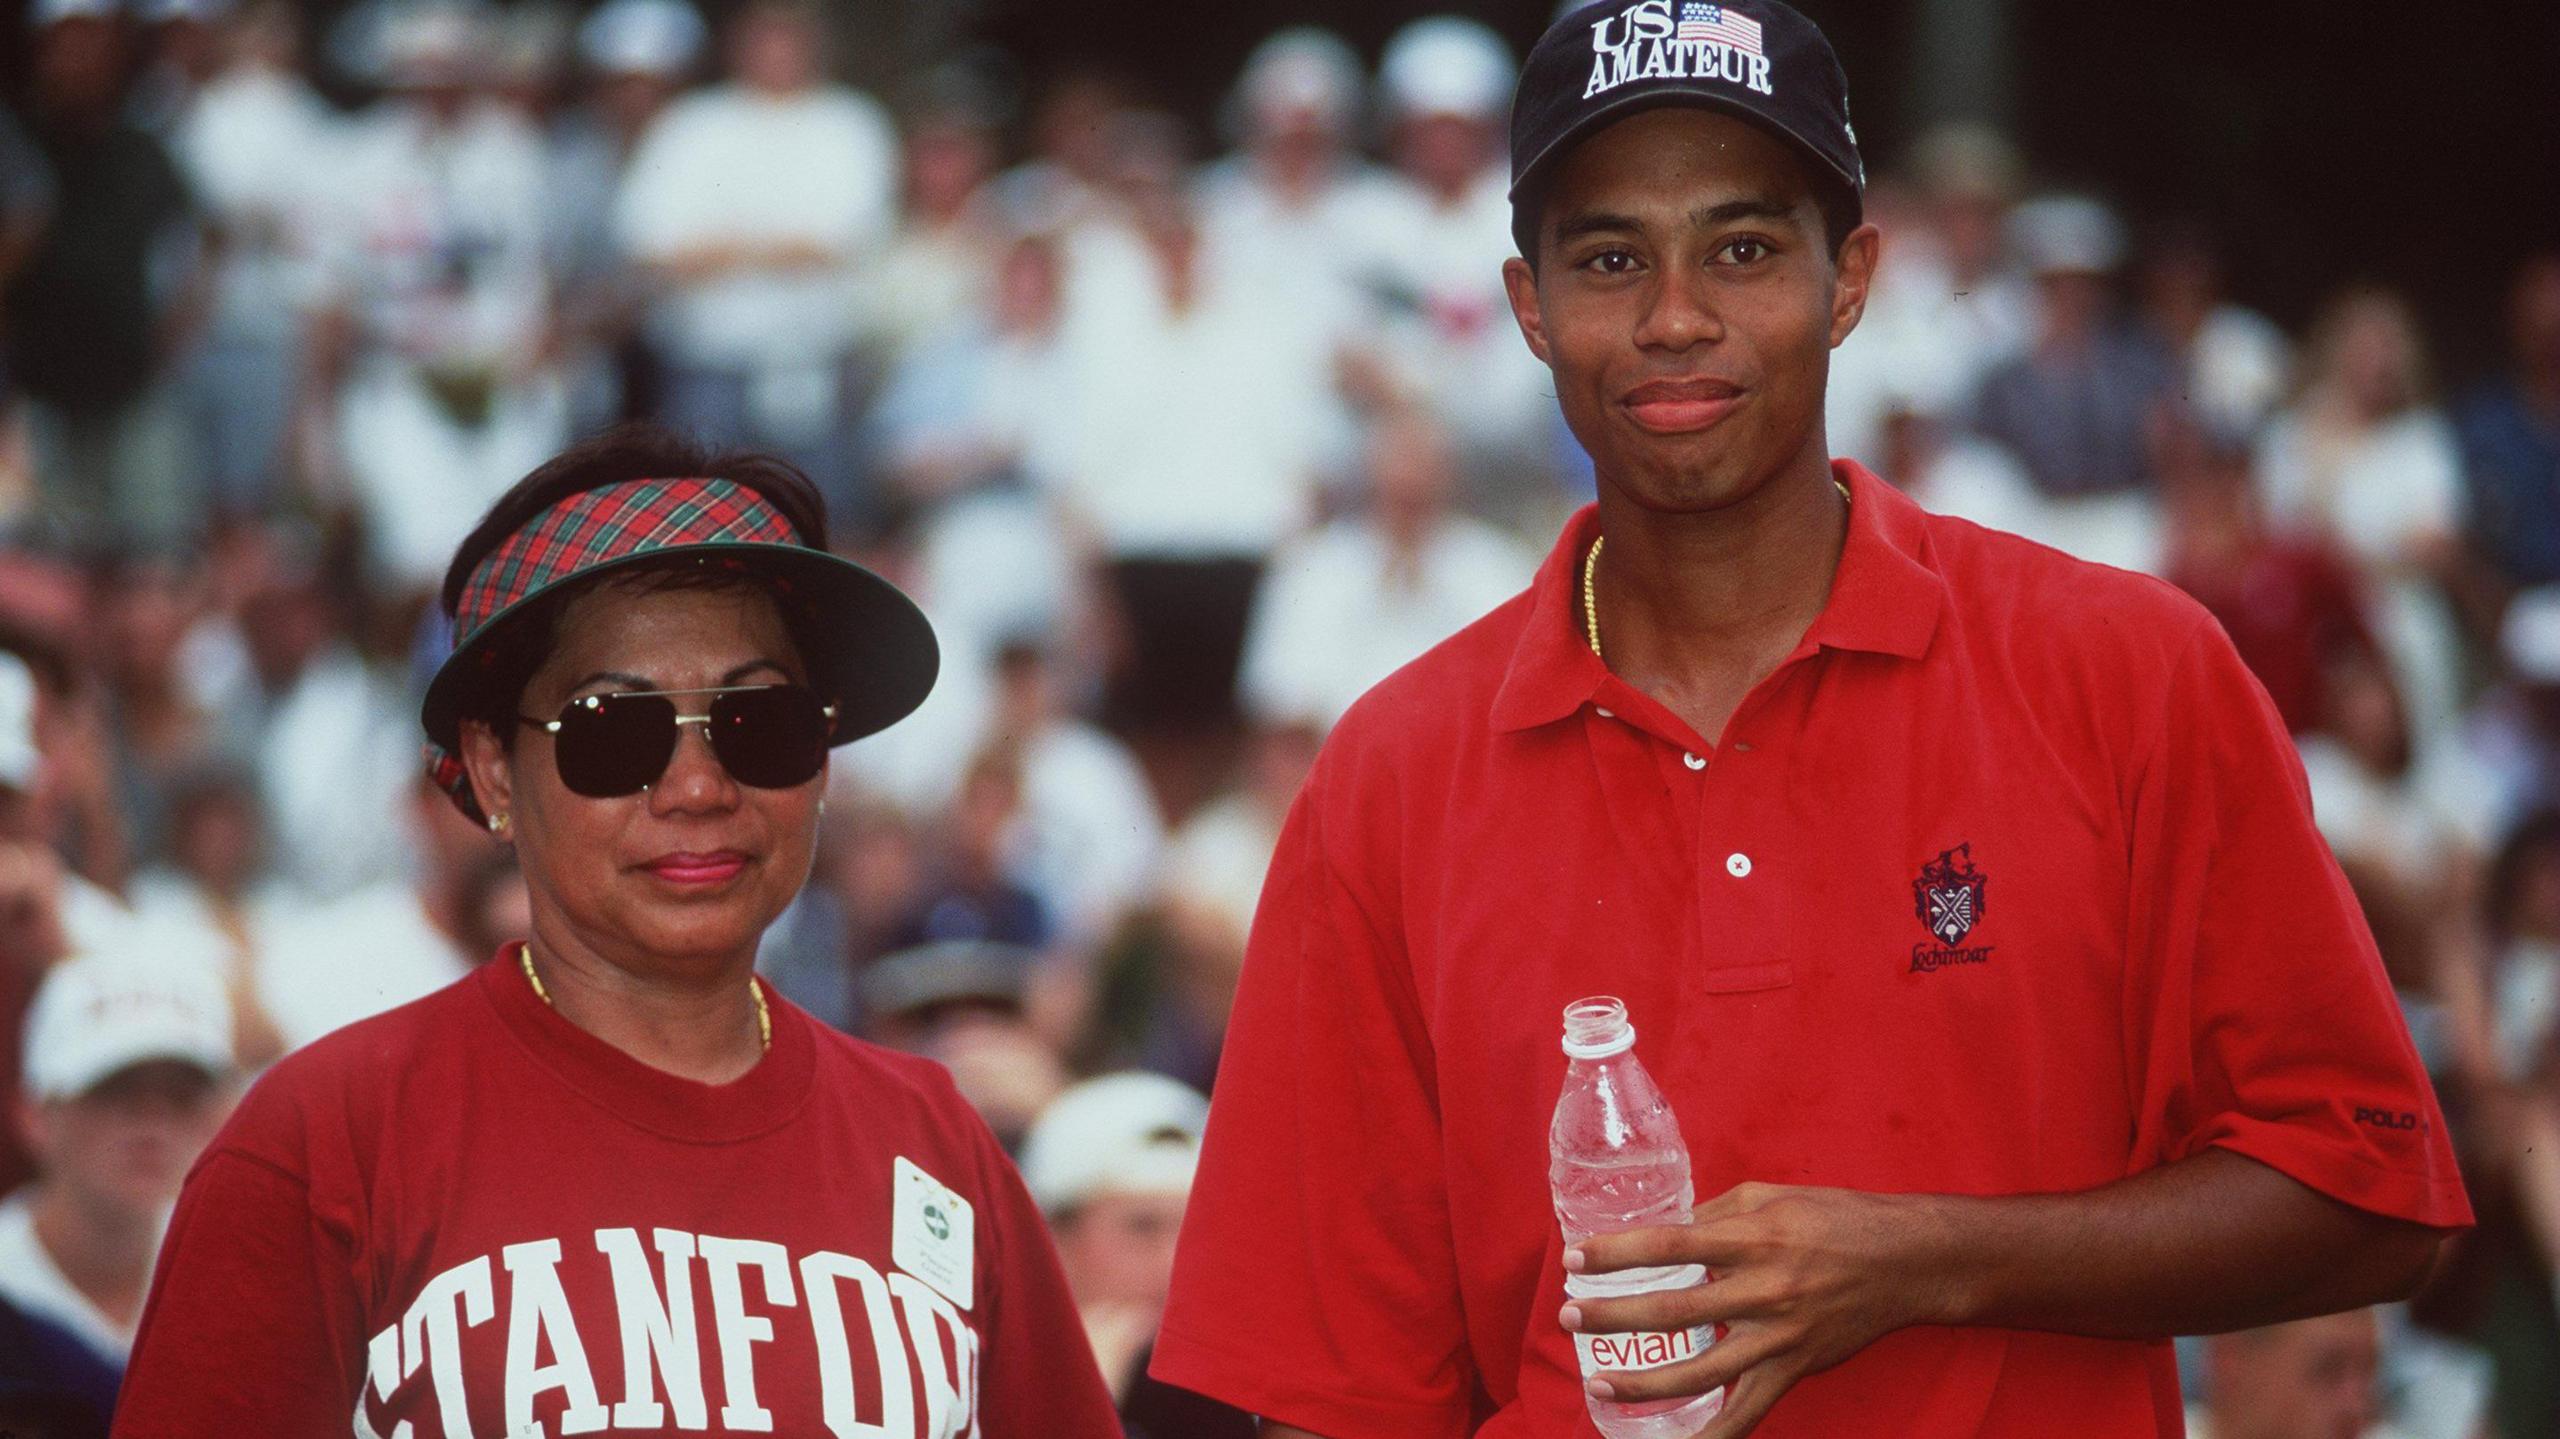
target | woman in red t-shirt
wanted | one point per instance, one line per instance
(610, 1182)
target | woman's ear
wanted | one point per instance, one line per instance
(491, 768)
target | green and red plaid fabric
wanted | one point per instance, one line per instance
(594, 526)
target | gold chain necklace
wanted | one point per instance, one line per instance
(755, 991)
(1591, 595)
(1590, 609)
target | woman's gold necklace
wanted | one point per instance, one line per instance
(755, 991)
(1591, 595)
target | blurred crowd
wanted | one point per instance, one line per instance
(1183, 439)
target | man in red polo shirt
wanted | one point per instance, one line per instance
(1965, 896)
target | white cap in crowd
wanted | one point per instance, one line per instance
(1302, 70)
(2067, 235)
(642, 37)
(1132, 1133)
(2530, 635)
(97, 1015)
(1447, 66)
(17, 723)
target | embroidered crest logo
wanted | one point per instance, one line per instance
(1948, 897)
(1949, 891)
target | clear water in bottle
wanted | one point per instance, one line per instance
(1616, 1162)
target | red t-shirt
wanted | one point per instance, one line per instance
(468, 1214)
(2004, 882)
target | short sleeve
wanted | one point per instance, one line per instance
(2258, 1017)
(252, 1325)
(1036, 1377)
(1316, 1283)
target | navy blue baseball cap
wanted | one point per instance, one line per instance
(1602, 62)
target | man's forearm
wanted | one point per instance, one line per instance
(2212, 1243)
(1807, 1277)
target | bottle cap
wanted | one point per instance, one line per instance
(1597, 1028)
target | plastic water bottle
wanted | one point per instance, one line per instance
(1616, 1162)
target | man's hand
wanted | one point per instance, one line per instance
(1800, 1278)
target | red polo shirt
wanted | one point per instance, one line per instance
(2005, 882)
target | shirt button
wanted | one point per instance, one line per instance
(1737, 864)
(1693, 761)
(1608, 713)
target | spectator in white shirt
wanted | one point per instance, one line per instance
(1446, 327)
(2364, 459)
(938, 272)
(1947, 304)
(1295, 203)
(1193, 450)
(247, 142)
(754, 206)
(331, 742)
(1297, 214)
(985, 400)
(1347, 605)
(434, 353)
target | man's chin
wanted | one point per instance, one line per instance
(1686, 489)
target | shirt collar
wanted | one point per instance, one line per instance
(1885, 599)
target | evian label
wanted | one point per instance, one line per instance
(1601, 1353)
(1651, 1350)
(1676, 39)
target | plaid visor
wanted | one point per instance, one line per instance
(727, 522)
(612, 523)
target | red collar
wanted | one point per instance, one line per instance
(1885, 599)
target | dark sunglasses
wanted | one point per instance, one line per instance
(769, 736)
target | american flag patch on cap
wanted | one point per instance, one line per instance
(1720, 26)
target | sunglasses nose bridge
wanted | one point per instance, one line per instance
(704, 765)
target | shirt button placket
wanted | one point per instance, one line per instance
(1722, 909)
